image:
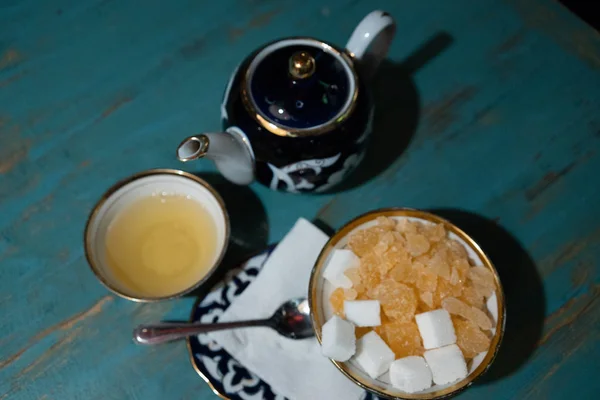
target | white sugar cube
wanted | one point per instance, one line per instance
(340, 261)
(476, 361)
(492, 306)
(410, 374)
(338, 340)
(363, 312)
(372, 355)
(436, 328)
(447, 364)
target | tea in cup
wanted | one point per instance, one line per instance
(156, 235)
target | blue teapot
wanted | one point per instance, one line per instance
(297, 113)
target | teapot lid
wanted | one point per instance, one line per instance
(300, 87)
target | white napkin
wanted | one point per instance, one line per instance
(294, 368)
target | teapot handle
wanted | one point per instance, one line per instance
(371, 41)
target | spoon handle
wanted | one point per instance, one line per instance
(168, 331)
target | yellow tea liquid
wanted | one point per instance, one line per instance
(161, 245)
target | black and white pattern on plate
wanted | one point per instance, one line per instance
(224, 373)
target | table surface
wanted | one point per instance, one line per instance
(488, 113)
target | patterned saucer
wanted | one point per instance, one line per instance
(226, 377)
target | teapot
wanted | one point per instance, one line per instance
(297, 113)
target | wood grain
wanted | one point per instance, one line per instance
(487, 112)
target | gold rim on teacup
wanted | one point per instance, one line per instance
(88, 245)
(318, 319)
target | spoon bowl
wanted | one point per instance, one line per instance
(292, 319)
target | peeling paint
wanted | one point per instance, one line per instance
(566, 308)
(581, 273)
(63, 255)
(568, 252)
(440, 114)
(14, 357)
(116, 105)
(263, 19)
(547, 181)
(13, 78)
(256, 22)
(44, 204)
(193, 49)
(94, 310)
(510, 43)
(14, 157)
(62, 342)
(322, 213)
(84, 164)
(65, 325)
(580, 40)
(10, 58)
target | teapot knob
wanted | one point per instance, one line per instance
(302, 65)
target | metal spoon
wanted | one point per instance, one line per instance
(292, 320)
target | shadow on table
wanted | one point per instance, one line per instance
(397, 110)
(523, 290)
(249, 227)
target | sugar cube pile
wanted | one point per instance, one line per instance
(359, 304)
(373, 355)
(338, 340)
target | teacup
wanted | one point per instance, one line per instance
(117, 230)
(321, 310)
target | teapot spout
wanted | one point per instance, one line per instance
(192, 148)
(230, 151)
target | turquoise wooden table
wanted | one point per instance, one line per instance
(488, 113)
